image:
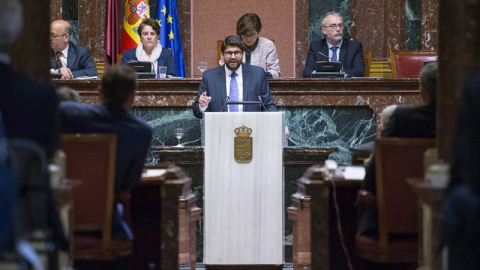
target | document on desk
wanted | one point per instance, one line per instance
(354, 173)
(153, 173)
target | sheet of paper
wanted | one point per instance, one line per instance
(354, 173)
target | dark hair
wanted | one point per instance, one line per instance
(247, 23)
(150, 22)
(119, 83)
(232, 41)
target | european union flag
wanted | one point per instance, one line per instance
(170, 32)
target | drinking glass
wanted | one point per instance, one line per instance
(179, 132)
(202, 66)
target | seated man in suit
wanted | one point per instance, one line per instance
(348, 52)
(114, 116)
(70, 60)
(235, 80)
(405, 122)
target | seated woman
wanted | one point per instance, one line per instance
(259, 51)
(149, 49)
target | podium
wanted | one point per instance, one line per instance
(243, 189)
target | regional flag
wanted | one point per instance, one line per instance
(135, 12)
(170, 32)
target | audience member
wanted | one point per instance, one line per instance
(259, 51)
(69, 59)
(212, 93)
(65, 93)
(349, 52)
(114, 116)
(406, 122)
(462, 203)
(150, 49)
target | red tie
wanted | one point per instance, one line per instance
(59, 62)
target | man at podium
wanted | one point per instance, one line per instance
(233, 82)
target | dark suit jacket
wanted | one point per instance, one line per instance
(351, 56)
(165, 59)
(78, 61)
(406, 122)
(133, 135)
(29, 109)
(255, 84)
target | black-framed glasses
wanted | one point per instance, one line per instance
(250, 35)
(236, 53)
(55, 36)
(335, 26)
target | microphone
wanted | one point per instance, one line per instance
(328, 58)
(225, 105)
(261, 102)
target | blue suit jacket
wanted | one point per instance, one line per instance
(255, 84)
(351, 56)
(165, 59)
(78, 61)
(133, 135)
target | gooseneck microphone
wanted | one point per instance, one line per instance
(328, 57)
(261, 102)
(225, 105)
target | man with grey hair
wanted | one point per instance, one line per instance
(406, 122)
(337, 48)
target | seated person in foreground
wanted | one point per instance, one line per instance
(462, 201)
(114, 116)
(348, 52)
(259, 51)
(71, 60)
(238, 81)
(405, 122)
(150, 49)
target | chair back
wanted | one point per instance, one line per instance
(396, 160)
(367, 56)
(91, 158)
(409, 63)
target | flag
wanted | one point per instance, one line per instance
(166, 15)
(135, 12)
(111, 33)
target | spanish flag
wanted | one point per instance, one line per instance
(135, 12)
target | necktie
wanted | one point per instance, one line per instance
(334, 53)
(233, 93)
(59, 61)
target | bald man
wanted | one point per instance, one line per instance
(71, 60)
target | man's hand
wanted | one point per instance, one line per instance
(66, 73)
(204, 100)
(287, 132)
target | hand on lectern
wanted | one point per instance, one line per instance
(287, 132)
(204, 100)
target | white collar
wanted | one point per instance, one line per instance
(229, 72)
(65, 51)
(339, 45)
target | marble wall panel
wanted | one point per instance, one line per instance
(301, 35)
(413, 24)
(184, 18)
(91, 27)
(367, 26)
(429, 22)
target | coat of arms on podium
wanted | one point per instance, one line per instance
(243, 145)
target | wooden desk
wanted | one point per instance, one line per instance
(316, 241)
(164, 216)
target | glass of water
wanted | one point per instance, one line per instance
(202, 66)
(178, 133)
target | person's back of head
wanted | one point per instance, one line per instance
(11, 20)
(385, 117)
(428, 82)
(65, 93)
(118, 84)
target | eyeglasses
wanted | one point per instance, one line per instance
(249, 36)
(230, 54)
(54, 36)
(335, 26)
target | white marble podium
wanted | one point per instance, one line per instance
(244, 208)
